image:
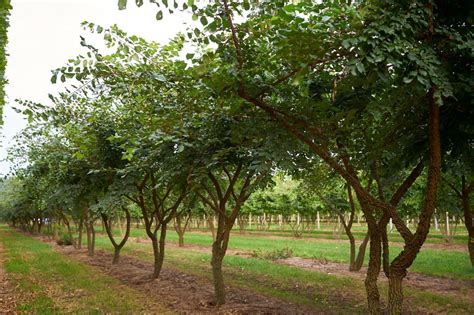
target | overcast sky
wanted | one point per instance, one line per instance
(44, 34)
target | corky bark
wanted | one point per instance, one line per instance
(307, 134)
(399, 265)
(463, 195)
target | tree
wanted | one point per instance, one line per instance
(5, 8)
(228, 166)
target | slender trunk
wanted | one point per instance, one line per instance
(158, 251)
(210, 221)
(92, 250)
(79, 236)
(156, 256)
(90, 238)
(161, 255)
(361, 255)
(468, 217)
(352, 252)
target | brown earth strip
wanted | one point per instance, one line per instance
(182, 292)
(8, 294)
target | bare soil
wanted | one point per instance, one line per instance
(9, 295)
(182, 292)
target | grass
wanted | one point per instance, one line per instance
(325, 293)
(57, 284)
(443, 263)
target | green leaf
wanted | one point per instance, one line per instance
(346, 44)
(246, 5)
(159, 15)
(360, 67)
(204, 21)
(122, 4)
(139, 2)
(54, 78)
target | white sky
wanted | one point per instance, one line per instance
(44, 34)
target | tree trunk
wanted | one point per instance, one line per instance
(218, 277)
(210, 221)
(79, 236)
(395, 293)
(373, 295)
(90, 238)
(468, 217)
(359, 262)
(156, 256)
(159, 252)
(108, 228)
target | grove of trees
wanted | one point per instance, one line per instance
(365, 105)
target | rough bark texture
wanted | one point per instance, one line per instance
(466, 190)
(403, 261)
(219, 248)
(359, 262)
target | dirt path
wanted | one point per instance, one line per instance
(8, 294)
(182, 292)
(441, 285)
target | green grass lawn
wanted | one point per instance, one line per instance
(56, 284)
(429, 261)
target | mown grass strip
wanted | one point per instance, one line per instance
(56, 284)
